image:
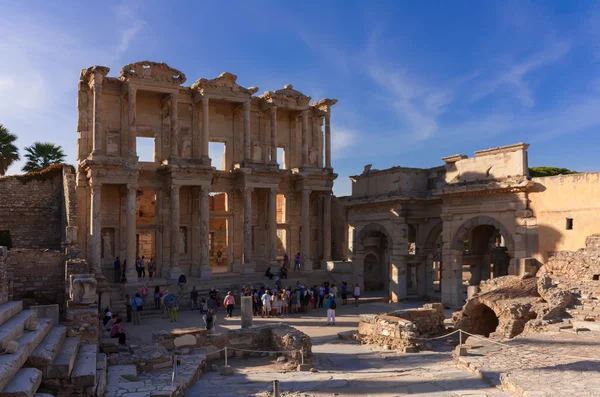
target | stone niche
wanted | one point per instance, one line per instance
(402, 328)
(276, 337)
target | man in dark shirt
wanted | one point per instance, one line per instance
(117, 270)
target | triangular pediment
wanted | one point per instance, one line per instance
(287, 97)
(224, 85)
(155, 71)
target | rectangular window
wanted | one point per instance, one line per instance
(281, 158)
(216, 152)
(145, 149)
(569, 223)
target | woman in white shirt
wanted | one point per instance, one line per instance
(356, 294)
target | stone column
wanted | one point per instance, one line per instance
(205, 270)
(452, 288)
(205, 131)
(274, 135)
(305, 238)
(327, 226)
(131, 214)
(247, 311)
(173, 114)
(247, 225)
(97, 143)
(175, 270)
(247, 147)
(96, 228)
(273, 226)
(327, 141)
(131, 110)
(305, 138)
(397, 281)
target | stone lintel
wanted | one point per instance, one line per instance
(324, 104)
(454, 158)
(502, 149)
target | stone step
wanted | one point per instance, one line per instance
(32, 339)
(84, 371)
(100, 387)
(46, 352)
(24, 384)
(121, 374)
(11, 363)
(62, 365)
(9, 310)
(13, 328)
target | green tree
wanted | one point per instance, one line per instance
(549, 171)
(8, 151)
(41, 155)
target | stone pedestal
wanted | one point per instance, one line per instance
(247, 311)
(83, 289)
(205, 272)
(307, 266)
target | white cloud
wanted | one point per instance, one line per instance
(343, 141)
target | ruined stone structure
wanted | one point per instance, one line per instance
(180, 207)
(433, 232)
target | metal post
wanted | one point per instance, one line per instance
(460, 337)
(276, 389)
(302, 353)
(225, 355)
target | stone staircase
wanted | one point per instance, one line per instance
(224, 282)
(587, 304)
(37, 355)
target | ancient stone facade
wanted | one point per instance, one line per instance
(434, 232)
(275, 151)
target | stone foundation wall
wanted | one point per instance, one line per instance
(32, 208)
(429, 319)
(3, 271)
(278, 337)
(37, 276)
(583, 264)
(385, 330)
(82, 320)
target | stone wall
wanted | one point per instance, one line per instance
(277, 337)
(37, 276)
(402, 328)
(583, 264)
(3, 271)
(32, 208)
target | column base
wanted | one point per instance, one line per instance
(205, 272)
(131, 275)
(244, 268)
(307, 266)
(174, 273)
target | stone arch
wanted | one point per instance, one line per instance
(433, 235)
(372, 227)
(457, 241)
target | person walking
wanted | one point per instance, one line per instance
(344, 293)
(209, 321)
(151, 268)
(138, 306)
(181, 282)
(331, 309)
(157, 296)
(286, 262)
(138, 269)
(297, 262)
(229, 302)
(143, 266)
(171, 303)
(117, 268)
(356, 294)
(194, 298)
(128, 307)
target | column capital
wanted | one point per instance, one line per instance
(131, 186)
(306, 189)
(247, 105)
(247, 189)
(175, 188)
(274, 190)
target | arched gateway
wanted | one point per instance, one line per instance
(375, 244)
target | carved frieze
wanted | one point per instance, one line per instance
(155, 71)
(287, 97)
(223, 86)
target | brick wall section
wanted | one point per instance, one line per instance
(31, 208)
(69, 207)
(583, 264)
(3, 270)
(38, 276)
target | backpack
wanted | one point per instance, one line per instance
(138, 304)
(332, 306)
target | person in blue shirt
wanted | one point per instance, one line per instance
(331, 306)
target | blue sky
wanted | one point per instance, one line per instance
(415, 81)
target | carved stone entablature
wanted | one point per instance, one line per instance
(324, 104)
(155, 71)
(315, 182)
(509, 185)
(88, 75)
(287, 97)
(111, 170)
(390, 200)
(224, 86)
(190, 175)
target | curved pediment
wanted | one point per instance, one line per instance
(324, 104)
(155, 71)
(87, 73)
(224, 85)
(287, 97)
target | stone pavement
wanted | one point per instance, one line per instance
(541, 365)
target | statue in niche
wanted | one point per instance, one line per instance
(186, 147)
(312, 156)
(107, 251)
(182, 241)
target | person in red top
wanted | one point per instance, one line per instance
(229, 301)
(116, 331)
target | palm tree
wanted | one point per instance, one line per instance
(8, 151)
(41, 155)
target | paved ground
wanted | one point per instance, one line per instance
(345, 368)
(542, 365)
